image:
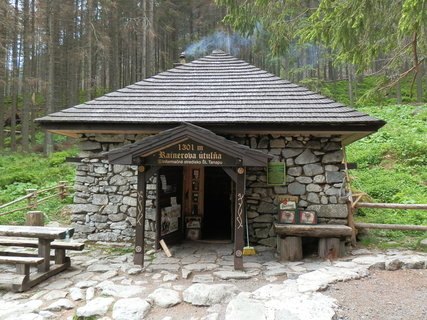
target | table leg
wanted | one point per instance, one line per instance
(44, 252)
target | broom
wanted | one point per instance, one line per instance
(248, 250)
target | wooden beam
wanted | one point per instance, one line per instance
(140, 218)
(239, 218)
(390, 226)
(231, 173)
(391, 205)
(315, 230)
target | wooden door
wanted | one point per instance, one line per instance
(193, 201)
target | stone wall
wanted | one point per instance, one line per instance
(312, 174)
(105, 198)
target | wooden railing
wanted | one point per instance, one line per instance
(33, 197)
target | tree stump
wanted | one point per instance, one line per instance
(290, 248)
(330, 248)
(34, 218)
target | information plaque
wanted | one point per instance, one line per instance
(276, 173)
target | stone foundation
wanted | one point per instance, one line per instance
(105, 198)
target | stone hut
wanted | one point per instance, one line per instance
(187, 152)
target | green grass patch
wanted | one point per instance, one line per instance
(33, 171)
(392, 168)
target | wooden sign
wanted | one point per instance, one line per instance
(189, 153)
(276, 173)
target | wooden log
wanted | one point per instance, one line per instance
(330, 248)
(30, 243)
(390, 226)
(317, 230)
(34, 218)
(165, 248)
(391, 205)
(290, 249)
(21, 260)
(36, 232)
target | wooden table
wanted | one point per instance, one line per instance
(45, 236)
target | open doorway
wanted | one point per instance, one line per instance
(217, 218)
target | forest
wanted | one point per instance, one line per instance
(56, 54)
(369, 55)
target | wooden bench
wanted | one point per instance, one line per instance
(331, 240)
(41, 238)
(22, 269)
(58, 246)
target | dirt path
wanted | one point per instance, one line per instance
(384, 295)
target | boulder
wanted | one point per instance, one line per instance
(201, 294)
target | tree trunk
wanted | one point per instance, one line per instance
(25, 132)
(48, 142)
(398, 93)
(14, 79)
(151, 40)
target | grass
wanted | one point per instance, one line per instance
(33, 171)
(392, 168)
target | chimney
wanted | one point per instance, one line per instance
(181, 60)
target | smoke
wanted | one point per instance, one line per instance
(218, 40)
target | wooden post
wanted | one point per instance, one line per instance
(350, 210)
(32, 201)
(62, 191)
(330, 248)
(140, 218)
(34, 218)
(44, 252)
(290, 249)
(239, 214)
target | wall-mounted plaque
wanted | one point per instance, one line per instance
(276, 173)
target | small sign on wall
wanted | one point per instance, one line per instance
(276, 173)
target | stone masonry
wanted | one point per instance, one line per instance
(105, 198)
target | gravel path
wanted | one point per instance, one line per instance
(391, 295)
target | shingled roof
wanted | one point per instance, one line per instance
(218, 89)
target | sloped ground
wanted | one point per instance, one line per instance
(198, 283)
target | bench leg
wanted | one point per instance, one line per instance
(59, 256)
(23, 269)
(330, 248)
(44, 252)
(290, 249)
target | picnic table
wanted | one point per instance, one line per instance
(43, 238)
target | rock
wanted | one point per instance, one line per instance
(334, 176)
(330, 210)
(90, 293)
(295, 144)
(269, 242)
(203, 278)
(320, 178)
(313, 197)
(313, 188)
(26, 316)
(312, 169)
(294, 171)
(242, 307)
(76, 294)
(170, 277)
(54, 295)
(394, 264)
(47, 315)
(96, 307)
(266, 207)
(274, 272)
(85, 284)
(185, 273)
(296, 188)
(305, 180)
(101, 267)
(277, 143)
(12, 310)
(83, 208)
(201, 266)
(165, 298)
(333, 157)
(89, 145)
(235, 274)
(100, 199)
(130, 309)
(306, 157)
(201, 294)
(264, 218)
(289, 153)
(59, 284)
(423, 243)
(134, 271)
(116, 290)
(60, 305)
